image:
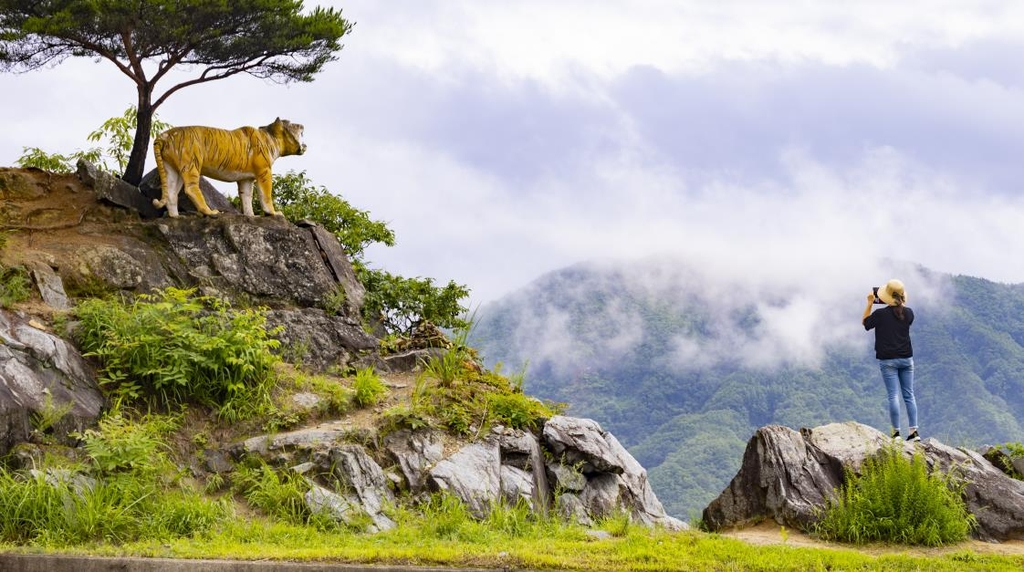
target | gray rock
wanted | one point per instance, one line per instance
(522, 450)
(995, 499)
(516, 486)
(50, 286)
(40, 371)
(582, 442)
(357, 473)
(416, 452)
(786, 475)
(571, 508)
(471, 474)
(150, 189)
(566, 478)
(341, 508)
(115, 191)
(267, 258)
(781, 477)
(340, 266)
(598, 454)
(603, 495)
(318, 340)
(411, 360)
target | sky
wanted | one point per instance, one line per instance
(780, 143)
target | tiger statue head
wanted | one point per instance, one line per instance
(244, 155)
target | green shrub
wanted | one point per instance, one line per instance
(1013, 451)
(400, 304)
(180, 347)
(15, 285)
(516, 410)
(279, 494)
(120, 444)
(897, 500)
(368, 387)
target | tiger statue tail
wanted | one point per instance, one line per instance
(158, 147)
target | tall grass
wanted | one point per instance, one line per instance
(122, 492)
(368, 387)
(897, 500)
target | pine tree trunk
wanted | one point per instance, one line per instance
(136, 167)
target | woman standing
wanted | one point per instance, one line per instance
(894, 352)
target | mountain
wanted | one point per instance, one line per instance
(683, 365)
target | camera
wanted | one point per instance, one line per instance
(877, 299)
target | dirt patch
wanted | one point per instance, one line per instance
(770, 532)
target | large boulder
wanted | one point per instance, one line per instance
(41, 375)
(615, 480)
(788, 475)
(472, 474)
(781, 477)
(319, 340)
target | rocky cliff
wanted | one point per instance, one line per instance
(87, 234)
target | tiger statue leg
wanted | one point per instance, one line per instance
(264, 182)
(245, 196)
(191, 178)
(170, 181)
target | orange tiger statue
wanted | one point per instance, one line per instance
(244, 155)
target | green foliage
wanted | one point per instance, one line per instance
(455, 392)
(336, 397)
(517, 410)
(400, 304)
(36, 158)
(15, 285)
(897, 500)
(179, 347)
(336, 301)
(120, 444)
(279, 494)
(50, 413)
(118, 133)
(299, 199)
(118, 496)
(1013, 451)
(368, 387)
(448, 517)
(401, 417)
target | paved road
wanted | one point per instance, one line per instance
(55, 563)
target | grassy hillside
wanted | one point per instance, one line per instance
(683, 378)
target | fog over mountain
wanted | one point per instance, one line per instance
(683, 359)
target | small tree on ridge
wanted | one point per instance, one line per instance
(146, 39)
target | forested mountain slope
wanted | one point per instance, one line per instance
(683, 368)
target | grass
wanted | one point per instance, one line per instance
(429, 539)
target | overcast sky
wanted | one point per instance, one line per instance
(790, 141)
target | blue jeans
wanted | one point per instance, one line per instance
(898, 375)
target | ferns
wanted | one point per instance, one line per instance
(180, 347)
(897, 500)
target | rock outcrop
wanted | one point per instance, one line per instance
(105, 237)
(41, 376)
(506, 466)
(787, 476)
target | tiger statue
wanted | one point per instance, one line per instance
(242, 155)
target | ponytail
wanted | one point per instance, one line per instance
(897, 297)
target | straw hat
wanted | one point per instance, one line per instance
(891, 287)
